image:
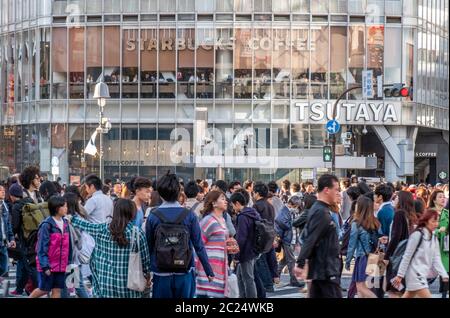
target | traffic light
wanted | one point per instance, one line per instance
(327, 154)
(397, 90)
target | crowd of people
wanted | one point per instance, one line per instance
(170, 239)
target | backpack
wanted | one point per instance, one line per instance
(264, 235)
(171, 244)
(396, 257)
(347, 227)
(32, 215)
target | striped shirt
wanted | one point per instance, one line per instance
(214, 235)
(109, 261)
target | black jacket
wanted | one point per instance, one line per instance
(265, 210)
(321, 245)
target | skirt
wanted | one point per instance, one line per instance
(359, 272)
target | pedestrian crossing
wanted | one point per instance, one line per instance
(282, 290)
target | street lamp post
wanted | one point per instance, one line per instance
(101, 92)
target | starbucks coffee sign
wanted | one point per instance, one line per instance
(363, 112)
(443, 175)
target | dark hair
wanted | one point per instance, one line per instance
(433, 197)
(354, 179)
(92, 179)
(363, 187)
(168, 187)
(240, 196)
(191, 189)
(73, 206)
(210, 198)
(105, 189)
(273, 186)
(198, 181)
(233, 184)
(286, 184)
(74, 189)
(107, 181)
(346, 182)
(397, 186)
(248, 184)
(369, 195)
(54, 203)
(296, 187)
(406, 204)
(308, 200)
(364, 215)
(58, 187)
(426, 216)
(326, 181)
(155, 199)
(47, 189)
(222, 185)
(261, 188)
(27, 176)
(124, 211)
(204, 184)
(139, 183)
(295, 200)
(419, 206)
(386, 192)
(353, 193)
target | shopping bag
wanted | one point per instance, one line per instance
(136, 280)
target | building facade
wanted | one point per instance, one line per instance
(219, 88)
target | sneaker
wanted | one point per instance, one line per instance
(15, 293)
(297, 284)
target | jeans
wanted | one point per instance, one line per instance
(289, 260)
(246, 279)
(264, 271)
(24, 272)
(260, 290)
(79, 291)
(174, 286)
(3, 260)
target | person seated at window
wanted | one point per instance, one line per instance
(89, 79)
(135, 78)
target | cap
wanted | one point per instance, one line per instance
(16, 190)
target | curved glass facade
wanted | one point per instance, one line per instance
(247, 62)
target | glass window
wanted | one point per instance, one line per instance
(356, 48)
(185, 111)
(299, 136)
(301, 6)
(76, 111)
(338, 6)
(111, 70)
(59, 112)
(205, 5)
(18, 58)
(375, 51)
(149, 6)
(300, 62)
(281, 111)
(243, 64)
(356, 6)
(76, 152)
(167, 63)
(281, 63)
(224, 63)
(147, 148)
(76, 62)
(319, 62)
(44, 63)
(281, 6)
(261, 111)
(242, 111)
(262, 63)
(129, 111)
(59, 7)
(224, 5)
(318, 136)
(130, 76)
(263, 6)
(130, 6)
(93, 58)
(319, 6)
(408, 60)
(205, 62)
(149, 51)
(338, 60)
(111, 6)
(94, 6)
(186, 77)
(186, 5)
(167, 5)
(222, 112)
(59, 63)
(280, 136)
(59, 147)
(243, 5)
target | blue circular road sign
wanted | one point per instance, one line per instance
(333, 127)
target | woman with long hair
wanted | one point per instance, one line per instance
(421, 257)
(214, 235)
(403, 225)
(365, 226)
(437, 201)
(113, 242)
(442, 234)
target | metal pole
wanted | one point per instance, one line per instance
(100, 132)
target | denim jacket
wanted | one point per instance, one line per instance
(359, 243)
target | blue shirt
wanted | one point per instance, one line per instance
(139, 218)
(385, 215)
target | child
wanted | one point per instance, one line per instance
(53, 250)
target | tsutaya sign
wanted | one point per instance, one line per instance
(348, 112)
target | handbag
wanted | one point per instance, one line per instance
(232, 286)
(232, 246)
(445, 243)
(375, 265)
(136, 280)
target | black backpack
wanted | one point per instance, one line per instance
(396, 257)
(346, 236)
(264, 235)
(171, 244)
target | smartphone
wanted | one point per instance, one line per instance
(400, 287)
